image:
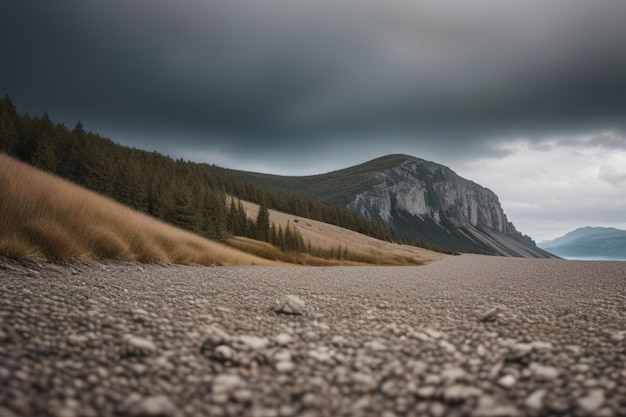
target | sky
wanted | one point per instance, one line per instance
(525, 97)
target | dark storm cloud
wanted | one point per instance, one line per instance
(283, 75)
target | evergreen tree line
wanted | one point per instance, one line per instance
(188, 195)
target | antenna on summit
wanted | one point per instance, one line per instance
(390, 138)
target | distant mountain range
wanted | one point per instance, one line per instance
(589, 243)
(420, 200)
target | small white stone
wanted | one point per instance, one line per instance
(539, 345)
(544, 372)
(453, 374)
(535, 400)
(283, 339)
(254, 342)
(592, 401)
(224, 383)
(375, 345)
(291, 304)
(433, 333)
(157, 405)
(285, 366)
(455, 393)
(507, 381)
(322, 354)
(139, 344)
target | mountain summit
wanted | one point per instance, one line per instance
(420, 200)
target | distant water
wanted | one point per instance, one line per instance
(596, 258)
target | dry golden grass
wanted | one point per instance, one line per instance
(361, 249)
(44, 216)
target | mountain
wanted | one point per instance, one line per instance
(589, 243)
(420, 200)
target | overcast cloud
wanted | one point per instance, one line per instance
(526, 97)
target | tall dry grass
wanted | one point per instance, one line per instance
(44, 216)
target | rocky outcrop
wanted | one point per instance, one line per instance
(428, 201)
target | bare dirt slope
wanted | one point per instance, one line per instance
(328, 236)
(466, 336)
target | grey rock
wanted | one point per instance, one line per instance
(489, 315)
(138, 346)
(254, 342)
(544, 372)
(457, 393)
(291, 304)
(507, 381)
(592, 402)
(153, 406)
(535, 400)
(225, 383)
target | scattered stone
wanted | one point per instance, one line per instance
(154, 406)
(539, 345)
(283, 339)
(77, 339)
(426, 391)
(507, 381)
(223, 353)
(458, 393)
(453, 374)
(519, 351)
(497, 411)
(321, 354)
(225, 383)
(488, 406)
(375, 345)
(618, 336)
(364, 382)
(592, 401)
(138, 346)
(489, 315)
(285, 366)
(254, 342)
(535, 400)
(435, 334)
(437, 409)
(291, 304)
(544, 372)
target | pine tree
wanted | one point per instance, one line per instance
(263, 224)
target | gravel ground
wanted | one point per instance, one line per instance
(465, 336)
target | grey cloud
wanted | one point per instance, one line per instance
(246, 75)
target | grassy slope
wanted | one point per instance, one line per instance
(43, 215)
(337, 187)
(361, 248)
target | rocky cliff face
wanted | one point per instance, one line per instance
(426, 200)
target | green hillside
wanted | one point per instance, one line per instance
(336, 188)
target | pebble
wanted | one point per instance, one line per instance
(453, 374)
(153, 406)
(138, 345)
(544, 372)
(455, 393)
(291, 304)
(592, 402)
(535, 400)
(489, 315)
(224, 383)
(507, 381)
(254, 342)
(285, 366)
(283, 339)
